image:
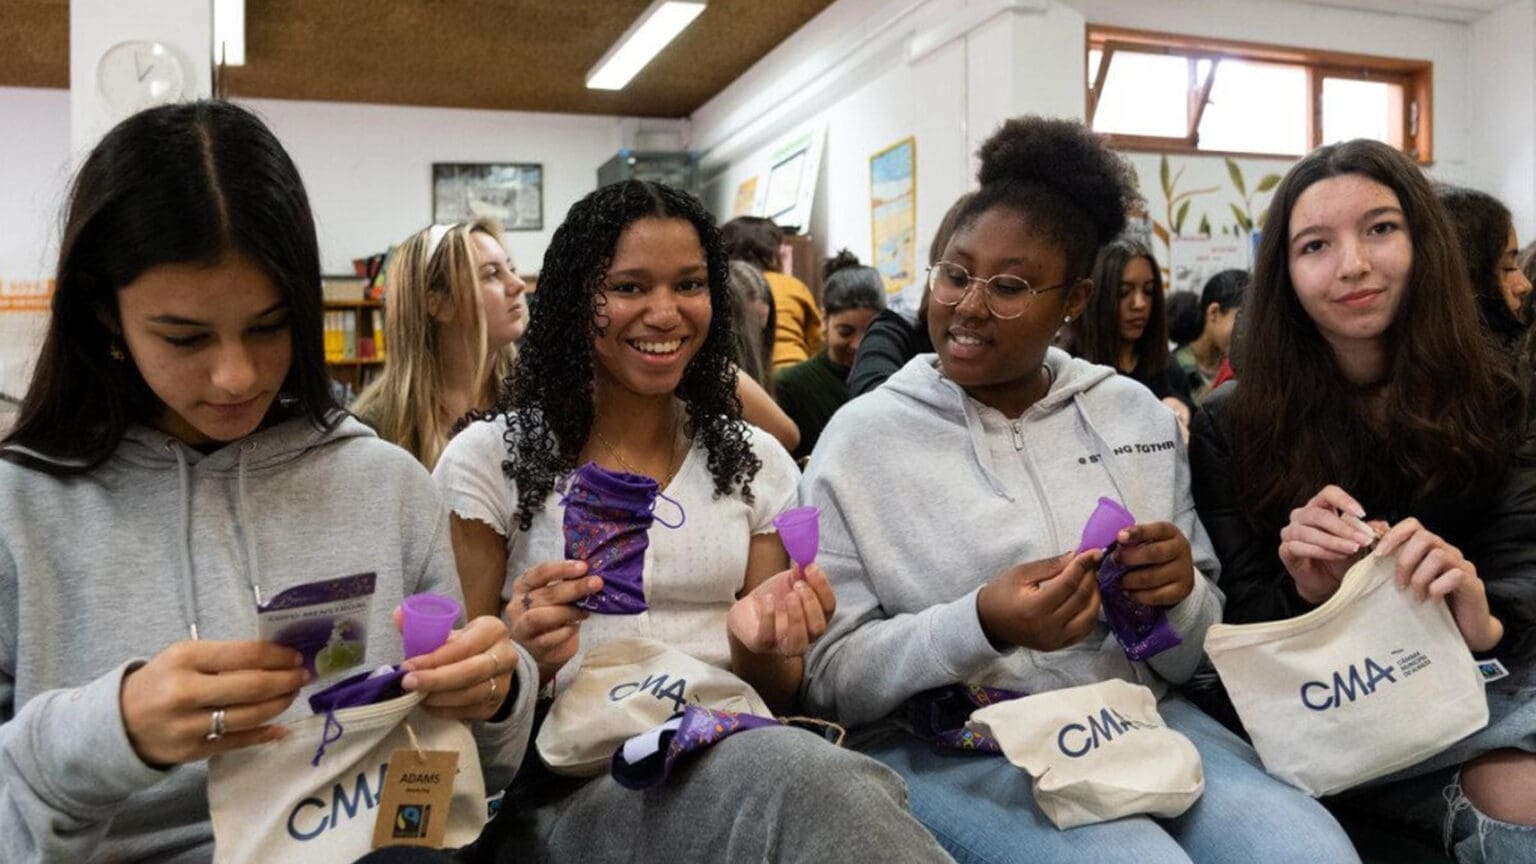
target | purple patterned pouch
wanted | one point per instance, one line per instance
(1142, 630)
(646, 760)
(940, 715)
(364, 688)
(608, 515)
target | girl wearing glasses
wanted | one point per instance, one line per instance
(949, 495)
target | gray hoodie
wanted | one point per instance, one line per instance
(103, 571)
(926, 495)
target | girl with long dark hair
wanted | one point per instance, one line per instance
(178, 458)
(1370, 390)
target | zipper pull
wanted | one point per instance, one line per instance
(1018, 434)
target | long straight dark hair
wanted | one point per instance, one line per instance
(1095, 336)
(1297, 424)
(181, 184)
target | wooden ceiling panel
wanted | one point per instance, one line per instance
(520, 55)
(36, 52)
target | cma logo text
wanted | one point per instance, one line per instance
(1356, 681)
(660, 686)
(1076, 740)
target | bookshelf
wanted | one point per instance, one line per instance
(354, 331)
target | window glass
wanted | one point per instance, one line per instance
(1256, 108)
(1145, 94)
(1362, 109)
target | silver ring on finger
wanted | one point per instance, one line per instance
(215, 726)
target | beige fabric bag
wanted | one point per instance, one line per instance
(626, 687)
(1366, 684)
(269, 804)
(1097, 752)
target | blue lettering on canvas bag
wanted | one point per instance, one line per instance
(1076, 740)
(658, 686)
(1347, 685)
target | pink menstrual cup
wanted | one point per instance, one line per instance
(425, 622)
(800, 531)
(1108, 520)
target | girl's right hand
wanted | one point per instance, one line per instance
(1044, 605)
(543, 614)
(169, 703)
(1318, 546)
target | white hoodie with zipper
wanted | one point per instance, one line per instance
(926, 495)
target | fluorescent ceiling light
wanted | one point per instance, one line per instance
(229, 32)
(657, 26)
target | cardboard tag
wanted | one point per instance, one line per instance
(1491, 670)
(413, 808)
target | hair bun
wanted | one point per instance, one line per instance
(843, 260)
(1064, 156)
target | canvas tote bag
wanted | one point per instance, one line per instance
(1097, 752)
(269, 803)
(1366, 684)
(625, 687)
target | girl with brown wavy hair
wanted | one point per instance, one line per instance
(1369, 390)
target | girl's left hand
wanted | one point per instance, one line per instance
(469, 676)
(1160, 569)
(1431, 568)
(785, 614)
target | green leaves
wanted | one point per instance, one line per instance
(1268, 182)
(1178, 221)
(1243, 221)
(1236, 174)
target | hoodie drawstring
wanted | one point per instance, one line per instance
(978, 435)
(188, 587)
(252, 569)
(1106, 454)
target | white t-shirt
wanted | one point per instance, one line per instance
(691, 574)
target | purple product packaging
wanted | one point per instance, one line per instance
(646, 761)
(608, 516)
(1142, 630)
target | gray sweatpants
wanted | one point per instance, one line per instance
(774, 794)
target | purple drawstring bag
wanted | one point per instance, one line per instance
(608, 515)
(364, 688)
(646, 761)
(940, 715)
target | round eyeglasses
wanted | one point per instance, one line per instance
(1006, 296)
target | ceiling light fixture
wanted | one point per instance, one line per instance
(657, 26)
(229, 32)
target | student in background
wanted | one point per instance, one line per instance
(756, 241)
(1125, 328)
(1490, 253)
(1202, 359)
(1368, 388)
(1184, 318)
(949, 493)
(892, 340)
(628, 365)
(454, 310)
(751, 305)
(812, 391)
(177, 452)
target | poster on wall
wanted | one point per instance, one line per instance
(26, 295)
(792, 169)
(893, 215)
(511, 193)
(746, 197)
(1193, 260)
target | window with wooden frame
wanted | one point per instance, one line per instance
(1185, 94)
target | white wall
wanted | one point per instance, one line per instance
(943, 71)
(1504, 110)
(34, 172)
(368, 168)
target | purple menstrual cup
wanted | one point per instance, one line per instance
(425, 622)
(800, 531)
(1107, 521)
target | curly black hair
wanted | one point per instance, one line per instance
(548, 399)
(1061, 173)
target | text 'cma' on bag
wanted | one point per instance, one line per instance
(1366, 684)
(285, 802)
(626, 687)
(1097, 752)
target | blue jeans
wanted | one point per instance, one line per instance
(982, 808)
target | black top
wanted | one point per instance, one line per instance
(810, 392)
(888, 344)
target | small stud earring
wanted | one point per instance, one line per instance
(116, 353)
(1067, 320)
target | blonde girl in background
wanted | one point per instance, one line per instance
(454, 309)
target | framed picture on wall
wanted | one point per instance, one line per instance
(510, 192)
